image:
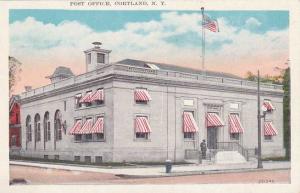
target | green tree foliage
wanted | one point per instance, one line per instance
(284, 79)
(287, 112)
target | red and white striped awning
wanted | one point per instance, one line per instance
(213, 120)
(142, 125)
(189, 123)
(76, 127)
(142, 95)
(268, 105)
(86, 98)
(87, 127)
(269, 129)
(235, 125)
(98, 95)
(98, 126)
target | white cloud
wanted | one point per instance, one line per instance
(35, 42)
(252, 23)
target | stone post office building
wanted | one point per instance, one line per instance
(138, 111)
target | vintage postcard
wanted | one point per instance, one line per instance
(119, 94)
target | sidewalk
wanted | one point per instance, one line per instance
(159, 171)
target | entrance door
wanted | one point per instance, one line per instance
(212, 138)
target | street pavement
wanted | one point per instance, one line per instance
(159, 171)
(35, 175)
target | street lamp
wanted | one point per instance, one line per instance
(259, 117)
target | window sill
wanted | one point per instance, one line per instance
(141, 140)
(268, 141)
(188, 140)
(91, 141)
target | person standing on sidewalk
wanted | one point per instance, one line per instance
(203, 148)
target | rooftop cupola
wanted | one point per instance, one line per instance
(96, 57)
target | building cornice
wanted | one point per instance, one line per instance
(162, 81)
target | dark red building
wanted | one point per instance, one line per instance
(14, 122)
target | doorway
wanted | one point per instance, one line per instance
(212, 137)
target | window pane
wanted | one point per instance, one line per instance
(89, 58)
(100, 58)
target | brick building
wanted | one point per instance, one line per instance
(14, 123)
(143, 111)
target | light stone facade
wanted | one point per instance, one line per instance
(172, 92)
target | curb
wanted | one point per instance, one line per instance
(193, 173)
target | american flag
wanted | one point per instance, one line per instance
(210, 24)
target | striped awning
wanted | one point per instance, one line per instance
(98, 95)
(87, 127)
(235, 125)
(189, 123)
(76, 127)
(213, 120)
(268, 105)
(98, 126)
(269, 129)
(142, 125)
(142, 95)
(86, 98)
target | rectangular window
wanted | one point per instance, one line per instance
(17, 118)
(89, 137)
(13, 140)
(142, 135)
(88, 104)
(29, 133)
(48, 131)
(98, 97)
(59, 133)
(78, 137)
(88, 58)
(65, 105)
(98, 159)
(141, 96)
(268, 137)
(99, 136)
(87, 159)
(234, 136)
(189, 135)
(142, 127)
(77, 99)
(77, 158)
(38, 132)
(46, 157)
(100, 58)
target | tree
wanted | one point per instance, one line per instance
(284, 79)
(14, 72)
(287, 112)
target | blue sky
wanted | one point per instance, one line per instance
(115, 20)
(51, 38)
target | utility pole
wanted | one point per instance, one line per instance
(259, 162)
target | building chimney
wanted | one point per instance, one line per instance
(28, 88)
(96, 57)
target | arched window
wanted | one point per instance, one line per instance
(58, 125)
(28, 129)
(47, 131)
(37, 127)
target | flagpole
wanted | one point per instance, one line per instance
(203, 41)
